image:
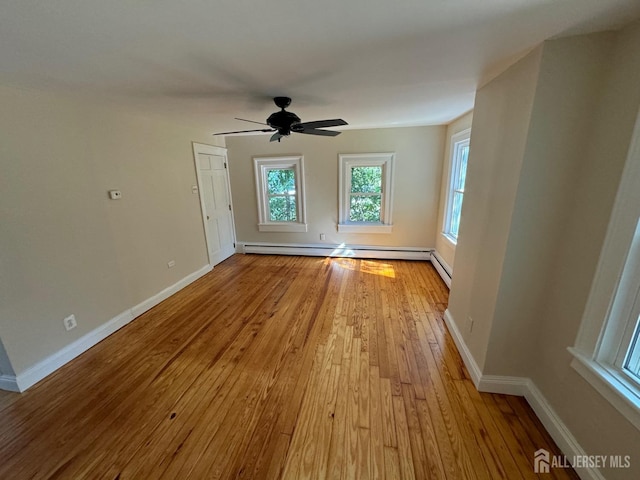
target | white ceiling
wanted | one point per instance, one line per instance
(371, 62)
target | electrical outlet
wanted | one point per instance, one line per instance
(171, 264)
(70, 322)
(322, 236)
(115, 194)
(194, 189)
(469, 324)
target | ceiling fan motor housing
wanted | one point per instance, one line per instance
(282, 121)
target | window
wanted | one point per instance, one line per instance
(629, 359)
(457, 176)
(280, 192)
(607, 350)
(365, 193)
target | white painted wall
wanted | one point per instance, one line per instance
(67, 248)
(538, 264)
(418, 165)
(445, 247)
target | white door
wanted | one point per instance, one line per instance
(215, 200)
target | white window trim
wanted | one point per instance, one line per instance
(261, 166)
(457, 141)
(609, 310)
(345, 163)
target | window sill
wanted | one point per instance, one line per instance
(282, 227)
(452, 241)
(364, 228)
(612, 385)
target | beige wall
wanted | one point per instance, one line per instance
(501, 118)
(67, 248)
(5, 364)
(572, 72)
(575, 144)
(444, 246)
(596, 424)
(417, 174)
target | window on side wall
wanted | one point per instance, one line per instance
(457, 176)
(365, 193)
(280, 193)
(607, 350)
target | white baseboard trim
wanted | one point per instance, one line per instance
(324, 250)
(506, 385)
(523, 387)
(45, 367)
(9, 383)
(170, 290)
(467, 358)
(558, 430)
(442, 267)
(53, 362)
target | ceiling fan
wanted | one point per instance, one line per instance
(284, 123)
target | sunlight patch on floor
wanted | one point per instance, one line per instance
(373, 267)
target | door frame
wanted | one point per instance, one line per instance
(222, 152)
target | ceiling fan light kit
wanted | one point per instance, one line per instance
(283, 123)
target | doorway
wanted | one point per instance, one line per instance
(215, 201)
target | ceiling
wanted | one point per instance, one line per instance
(372, 62)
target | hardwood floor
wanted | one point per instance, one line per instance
(276, 367)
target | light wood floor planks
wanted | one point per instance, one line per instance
(276, 367)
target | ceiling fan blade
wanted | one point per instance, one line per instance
(275, 136)
(252, 121)
(245, 131)
(336, 122)
(316, 131)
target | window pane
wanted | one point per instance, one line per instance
(632, 362)
(366, 180)
(463, 155)
(455, 214)
(365, 208)
(281, 181)
(282, 208)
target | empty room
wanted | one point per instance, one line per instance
(325, 240)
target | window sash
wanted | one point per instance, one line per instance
(269, 170)
(628, 352)
(377, 188)
(456, 211)
(291, 207)
(353, 213)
